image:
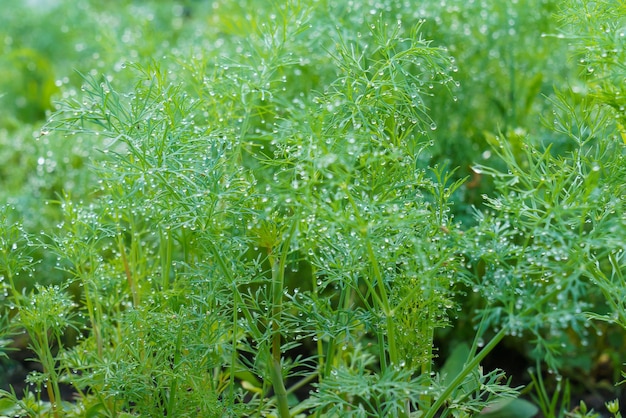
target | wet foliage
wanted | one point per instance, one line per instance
(312, 208)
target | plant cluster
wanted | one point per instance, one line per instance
(272, 213)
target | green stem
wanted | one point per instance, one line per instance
(17, 296)
(279, 389)
(174, 385)
(95, 323)
(278, 284)
(332, 346)
(319, 342)
(238, 304)
(429, 331)
(127, 271)
(166, 258)
(234, 353)
(469, 367)
(370, 252)
(381, 298)
(47, 361)
(302, 382)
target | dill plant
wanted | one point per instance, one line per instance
(268, 236)
(44, 314)
(550, 252)
(219, 184)
(597, 32)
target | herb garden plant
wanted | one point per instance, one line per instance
(265, 222)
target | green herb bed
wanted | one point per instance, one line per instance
(312, 208)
